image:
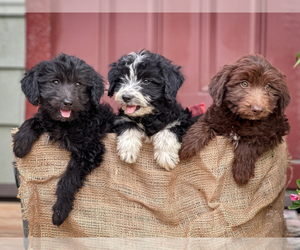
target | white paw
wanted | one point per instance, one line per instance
(129, 145)
(166, 160)
(166, 148)
(128, 156)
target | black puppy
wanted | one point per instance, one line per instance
(146, 85)
(68, 91)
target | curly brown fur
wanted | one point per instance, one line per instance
(249, 100)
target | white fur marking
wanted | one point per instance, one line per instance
(137, 58)
(166, 148)
(173, 124)
(235, 138)
(132, 67)
(129, 144)
(131, 86)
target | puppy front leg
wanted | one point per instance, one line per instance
(166, 148)
(67, 187)
(198, 135)
(28, 133)
(243, 167)
(73, 179)
(129, 143)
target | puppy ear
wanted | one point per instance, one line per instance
(217, 86)
(173, 80)
(112, 79)
(30, 86)
(284, 99)
(97, 89)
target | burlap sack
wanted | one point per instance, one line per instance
(199, 198)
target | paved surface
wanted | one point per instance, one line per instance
(11, 224)
(293, 225)
(292, 221)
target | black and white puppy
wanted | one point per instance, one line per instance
(68, 92)
(146, 85)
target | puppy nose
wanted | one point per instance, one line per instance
(68, 103)
(257, 109)
(126, 98)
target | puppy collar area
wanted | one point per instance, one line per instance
(234, 137)
(65, 113)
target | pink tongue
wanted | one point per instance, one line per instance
(65, 113)
(130, 109)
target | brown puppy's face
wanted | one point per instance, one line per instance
(251, 94)
(254, 89)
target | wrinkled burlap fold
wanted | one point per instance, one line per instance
(199, 198)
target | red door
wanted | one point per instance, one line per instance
(199, 42)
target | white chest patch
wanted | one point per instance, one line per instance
(235, 138)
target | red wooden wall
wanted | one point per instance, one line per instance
(199, 42)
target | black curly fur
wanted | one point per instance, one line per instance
(166, 77)
(80, 134)
(166, 113)
(151, 82)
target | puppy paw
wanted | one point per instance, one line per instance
(60, 214)
(166, 160)
(166, 148)
(241, 179)
(21, 147)
(241, 174)
(129, 157)
(187, 152)
(129, 145)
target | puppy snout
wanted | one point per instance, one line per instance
(67, 103)
(127, 98)
(257, 109)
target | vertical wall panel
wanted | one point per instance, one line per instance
(76, 34)
(38, 45)
(237, 34)
(12, 101)
(180, 44)
(282, 46)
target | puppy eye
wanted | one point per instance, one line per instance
(268, 87)
(244, 84)
(146, 81)
(55, 82)
(78, 84)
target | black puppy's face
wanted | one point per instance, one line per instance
(63, 98)
(139, 79)
(63, 87)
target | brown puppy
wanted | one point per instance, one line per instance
(249, 99)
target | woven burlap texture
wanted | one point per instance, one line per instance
(199, 198)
